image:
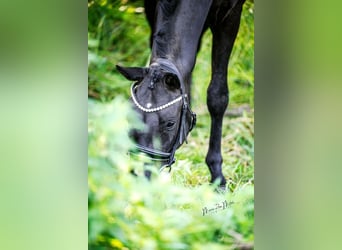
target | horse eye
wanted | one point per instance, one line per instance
(171, 81)
(170, 124)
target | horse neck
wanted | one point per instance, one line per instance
(177, 33)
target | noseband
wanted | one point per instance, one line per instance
(157, 155)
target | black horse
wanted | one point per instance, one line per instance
(161, 93)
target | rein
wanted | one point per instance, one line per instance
(157, 155)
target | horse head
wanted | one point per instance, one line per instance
(160, 99)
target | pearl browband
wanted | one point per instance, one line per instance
(150, 110)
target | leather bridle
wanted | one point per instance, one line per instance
(157, 155)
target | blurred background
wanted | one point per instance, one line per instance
(44, 131)
(127, 212)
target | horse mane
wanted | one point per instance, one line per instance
(165, 10)
(167, 7)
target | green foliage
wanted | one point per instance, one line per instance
(127, 212)
(119, 34)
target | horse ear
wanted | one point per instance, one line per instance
(132, 73)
